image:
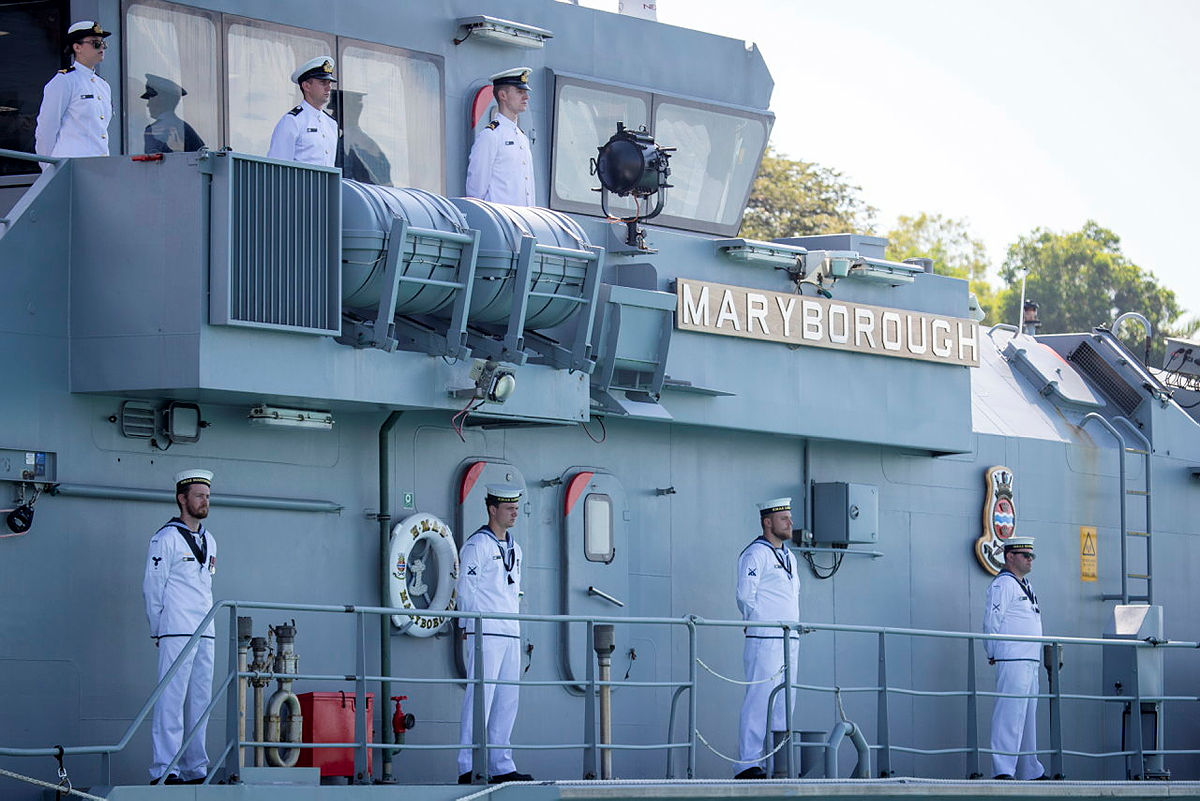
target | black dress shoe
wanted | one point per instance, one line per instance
(1042, 778)
(464, 778)
(171, 779)
(1003, 776)
(511, 776)
(194, 781)
(752, 773)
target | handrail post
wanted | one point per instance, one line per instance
(692, 656)
(362, 775)
(1056, 759)
(233, 722)
(974, 770)
(881, 721)
(590, 755)
(1135, 720)
(790, 756)
(479, 756)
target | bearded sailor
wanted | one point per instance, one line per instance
(768, 589)
(178, 591)
(489, 580)
(1012, 608)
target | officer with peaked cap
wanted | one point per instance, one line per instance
(500, 168)
(768, 589)
(178, 593)
(307, 133)
(489, 580)
(1012, 608)
(77, 103)
(167, 133)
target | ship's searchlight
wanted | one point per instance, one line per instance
(630, 164)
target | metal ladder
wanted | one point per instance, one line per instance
(1125, 493)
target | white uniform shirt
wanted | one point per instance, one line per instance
(500, 169)
(768, 586)
(76, 110)
(1010, 610)
(489, 580)
(305, 134)
(178, 585)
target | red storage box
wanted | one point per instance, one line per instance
(329, 718)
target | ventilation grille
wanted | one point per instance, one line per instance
(277, 248)
(138, 420)
(1102, 374)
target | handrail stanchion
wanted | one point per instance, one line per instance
(590, 755)
(479, 756)
(790, 757)
(974, 769)
(1135, 721)
(1056, 759)
(361, 773)
(693, 655)
(881, 721)
(233, 722)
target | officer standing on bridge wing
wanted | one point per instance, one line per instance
(768, 589)
(1012, 608)
(77, 103)
(500, 169)
(307, 133)
(178, 592)
(489, 580)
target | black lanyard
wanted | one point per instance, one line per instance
(507, 557)
(1025, 588)
(200, 551)
(781, 556)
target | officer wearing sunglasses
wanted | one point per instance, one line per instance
(77, 103)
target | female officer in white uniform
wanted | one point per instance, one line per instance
(489, 580)
(768, 588)
(77, 103)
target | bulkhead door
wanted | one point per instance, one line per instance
(595, 561)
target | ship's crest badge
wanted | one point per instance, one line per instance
(999, 518)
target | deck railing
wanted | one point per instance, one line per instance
(232, 751)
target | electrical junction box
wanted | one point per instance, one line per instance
(845, 513)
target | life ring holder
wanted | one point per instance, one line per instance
(406, 534)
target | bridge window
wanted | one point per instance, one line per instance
(390, 107)
(172, 91)
(718, 149)
(598, 528)
(32, 47)
(260, 60)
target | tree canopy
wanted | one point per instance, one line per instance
(954, 252)
(1081, 279)
(800, 198)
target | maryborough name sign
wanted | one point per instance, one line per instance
(800, 320)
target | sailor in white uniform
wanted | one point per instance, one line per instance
(489, 580)
(500, 169)
(307, 133)
(77, 103)
(178, 592)
(1012, 608)
(768, 588)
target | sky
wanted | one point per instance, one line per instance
(1011, 115)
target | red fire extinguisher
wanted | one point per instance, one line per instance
(401, 721)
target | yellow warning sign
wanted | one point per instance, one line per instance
(1087, 553)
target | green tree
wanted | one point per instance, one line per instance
(954, 252)
(1082, 279)
(800, 198)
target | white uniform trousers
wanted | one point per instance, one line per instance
(763, 658)
(179, 707)
(1014, 720)
(501, 660)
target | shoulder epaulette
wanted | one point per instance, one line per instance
(294, 112)
(68, 69)
(494, 124)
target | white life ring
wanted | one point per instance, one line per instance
(408, 577)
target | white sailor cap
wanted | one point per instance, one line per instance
(1019, 544)
(503, 493)
(158, 85)
(517, 76)
(774, 505)
(85, 28)
(319, 67)
(186, 478)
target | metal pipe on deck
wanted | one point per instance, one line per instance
(604, 645)
(385, 621)
(168, 496)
